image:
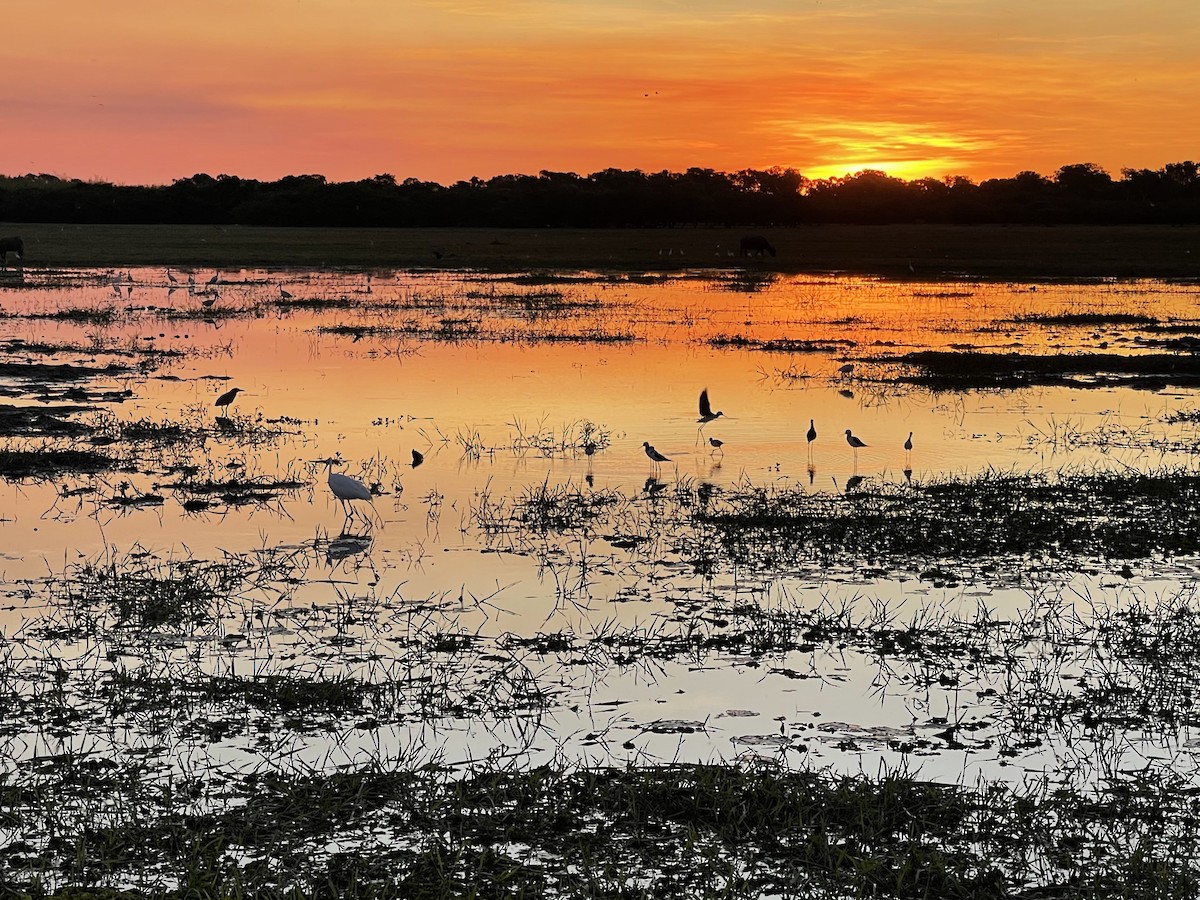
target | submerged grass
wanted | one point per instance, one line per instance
(947, 370)
(1108, 514)
(701, 831)
(49, 462)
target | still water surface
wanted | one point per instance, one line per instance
(499, 381)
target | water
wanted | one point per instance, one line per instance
(499, 381)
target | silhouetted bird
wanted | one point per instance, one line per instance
(655, 456)
(226, 398)
(706, 410)
(418, 458)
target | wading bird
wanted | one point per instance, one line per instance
(216, 279)
(346, 489)
(847, 370)
(716, 444)
(418, 458)
(655, 456)
(284, 293)
(810, 437)
(226, 398)
(855, 443)
(908, 447)
(171, 278)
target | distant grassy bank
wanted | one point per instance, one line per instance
(906, 251)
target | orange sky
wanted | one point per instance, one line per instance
(136, 91)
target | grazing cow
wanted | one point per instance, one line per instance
(11, 245)
(756, 245)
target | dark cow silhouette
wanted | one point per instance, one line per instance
(11, 245)
(756, 245)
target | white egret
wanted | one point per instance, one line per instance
(346, 488)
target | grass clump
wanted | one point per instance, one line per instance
(139, 591)
(703, 831)
(44, 463)
(1123, 515)
(943, 370)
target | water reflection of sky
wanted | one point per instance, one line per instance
(471, 370)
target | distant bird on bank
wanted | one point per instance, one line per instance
(417, 458)
(226, 398)
(655, 456)
(706, 410)
(346, 489)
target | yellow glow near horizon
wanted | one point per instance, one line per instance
(444, 90)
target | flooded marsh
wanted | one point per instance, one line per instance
(523, 658)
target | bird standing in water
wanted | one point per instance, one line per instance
(346, 489)
(810, 437)
(717, 446)
(225, 399)
(417, 458)
(854, 443)
(655, 456)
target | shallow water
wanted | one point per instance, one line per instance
(493, 380)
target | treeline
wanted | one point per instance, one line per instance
(1076, 194)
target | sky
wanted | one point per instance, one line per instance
(146, 92)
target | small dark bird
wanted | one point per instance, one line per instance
(418, 458)
(846, 370)
(171, 278)
(855, 443)
(706, 410)
(810, 437)
(226, 398)
(908, 447)
(208, 302)
(655, 456)
(589, 448)
(716, 445)
(216, 279)
(285, 294)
